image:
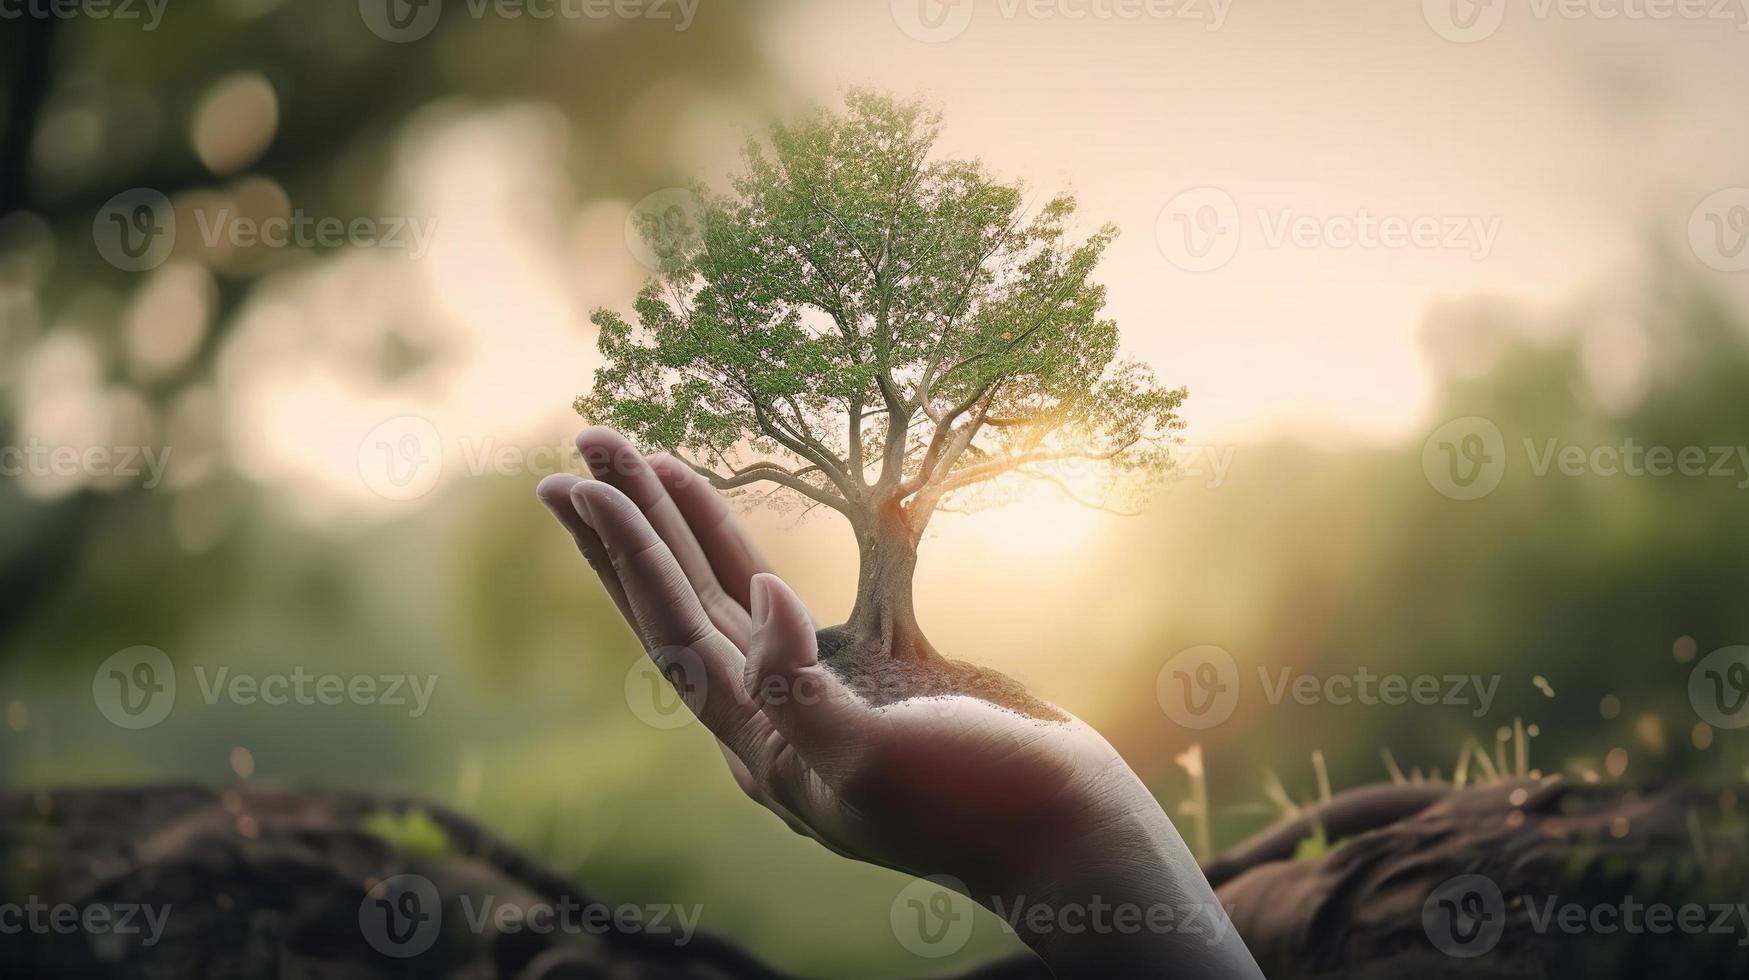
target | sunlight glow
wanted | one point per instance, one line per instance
(1042, 522)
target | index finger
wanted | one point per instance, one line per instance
(669, 618)
(725, 542)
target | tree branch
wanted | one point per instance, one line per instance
(772, 473)
(1003, 464)
(941, 449)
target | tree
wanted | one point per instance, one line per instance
(872, 330)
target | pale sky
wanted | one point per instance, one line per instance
(1572, 139)
(1544, 159)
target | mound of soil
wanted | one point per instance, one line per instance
(277, 885)
(282, 884)
(881, 680)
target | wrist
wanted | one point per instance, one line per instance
(1126, 898)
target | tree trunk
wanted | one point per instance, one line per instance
(880, 652)
(883, 623)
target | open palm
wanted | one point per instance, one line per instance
(930, 785)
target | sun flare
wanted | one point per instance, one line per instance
(1041, 522)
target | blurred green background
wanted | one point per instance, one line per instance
(271, 373)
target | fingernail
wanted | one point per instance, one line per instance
(759, 594)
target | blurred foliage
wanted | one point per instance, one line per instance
(94, 107)
(1604, 586)
(413, 834)
(1326, 558)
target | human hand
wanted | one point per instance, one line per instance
(1016, 808)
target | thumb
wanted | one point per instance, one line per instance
(804, 701)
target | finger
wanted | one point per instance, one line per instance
(674, 627)
(617, 462)
(726, 544)
(816, 714)
(555, 492)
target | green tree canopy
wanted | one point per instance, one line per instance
(875, 330)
